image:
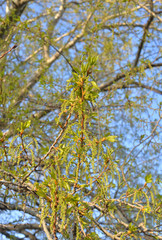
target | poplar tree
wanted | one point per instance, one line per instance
(80, 119)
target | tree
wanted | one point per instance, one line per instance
(80, 119)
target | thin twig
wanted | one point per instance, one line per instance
(59, 136)
(14, 46)
(145, 138)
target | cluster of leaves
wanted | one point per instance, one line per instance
(60, 160)
(79, 172)
(72, 167)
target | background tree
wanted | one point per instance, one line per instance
(60, 163)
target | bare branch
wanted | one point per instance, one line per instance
(19, 227)
(8, 206)
(104, 86)
(54, 22)
(15, 46)
(146, 27)
(148, 87)
(148, 10)
(105, 232)
(46, 230)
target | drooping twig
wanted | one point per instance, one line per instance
(13, 47)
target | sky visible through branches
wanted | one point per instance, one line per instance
(53, 39)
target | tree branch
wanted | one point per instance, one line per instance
(29, 210)
(19, 227)
(46, 230)
(148, 10)
(146, 27)
(15, 46)
(24, 91)
(148, 87)
(12, 17)
(105, 232)
(104, 86)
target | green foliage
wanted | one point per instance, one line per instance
(80, 120)
(75, 154)
(77, 164)
(148, 178)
